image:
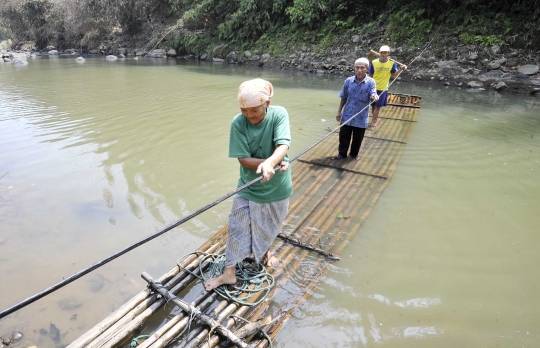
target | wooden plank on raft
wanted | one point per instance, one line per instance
(331, 201)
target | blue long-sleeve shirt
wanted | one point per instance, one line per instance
(357, 96)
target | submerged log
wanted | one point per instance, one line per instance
(309, 246)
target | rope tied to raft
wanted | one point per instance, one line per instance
(187, 330)
(251, 278)
(135, 342)
(190, 321)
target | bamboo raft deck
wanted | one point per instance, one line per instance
(331, 201)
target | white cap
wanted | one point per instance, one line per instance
(384, 49)
(362, 61)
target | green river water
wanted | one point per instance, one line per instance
(95, 156)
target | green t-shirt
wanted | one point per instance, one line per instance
(259, 141)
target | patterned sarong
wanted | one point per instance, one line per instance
(253, 228)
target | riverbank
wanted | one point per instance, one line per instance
(446, 62)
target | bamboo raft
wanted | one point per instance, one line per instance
(331, 201)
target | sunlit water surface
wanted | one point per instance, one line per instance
(98, 155)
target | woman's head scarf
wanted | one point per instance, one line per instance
(254, 93)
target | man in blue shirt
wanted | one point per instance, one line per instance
(356, 95)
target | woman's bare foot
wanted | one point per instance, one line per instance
(228, 277)
(269, 259)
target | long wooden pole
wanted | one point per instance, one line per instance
(286, 255)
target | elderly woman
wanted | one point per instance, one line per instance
(260, 138)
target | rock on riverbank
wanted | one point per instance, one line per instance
(509, 70)
(503, 69)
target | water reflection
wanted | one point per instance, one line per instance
(415, 302)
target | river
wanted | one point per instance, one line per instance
(95, 156)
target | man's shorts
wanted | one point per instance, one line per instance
(382, 98)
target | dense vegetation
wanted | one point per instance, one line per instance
(272, 24)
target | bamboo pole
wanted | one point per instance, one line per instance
(309, 246)
(220, 318)
(215, 339)
(203, 302)
(287, 314)
(225, 332)
(195, 332)
(203, 334)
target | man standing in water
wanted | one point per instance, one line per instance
(260, 138)
(356, 94)
(381, 69)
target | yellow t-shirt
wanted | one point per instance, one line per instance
(381, 73)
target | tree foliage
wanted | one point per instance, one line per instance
(70, 22)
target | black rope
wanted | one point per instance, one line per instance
(87, 270)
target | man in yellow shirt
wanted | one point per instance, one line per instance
(380, 70)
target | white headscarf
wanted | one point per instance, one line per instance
(254, 93)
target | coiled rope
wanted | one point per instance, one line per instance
(251, 278)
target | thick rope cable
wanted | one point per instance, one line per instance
(431, 40)
(87, 270)
(108, 259)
